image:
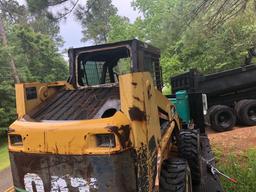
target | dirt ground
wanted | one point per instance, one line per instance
(236, 141)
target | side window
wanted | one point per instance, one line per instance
(150, 65)
(123, 66)
(158, 74)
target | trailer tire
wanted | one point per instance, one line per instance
(189, 149)
(222, 118)
(175, 176)
(246, 111)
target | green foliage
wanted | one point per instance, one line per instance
(217, 50)
(163, 21)
(191, 34)
(121, 29)
(13, 12)
(170, 66)
(167, 90)
(243, 169)
(44, 24)
(95, 19)
(34, 49)
(37, 6)
(37, 56)
(37, 59)
(7, 104)
(35, 16)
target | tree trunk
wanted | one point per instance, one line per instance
(12, 61)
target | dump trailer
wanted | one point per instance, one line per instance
(107, 129)
(231, 95)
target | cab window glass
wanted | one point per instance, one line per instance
(123, 66)
(102, 67)
(149, 65)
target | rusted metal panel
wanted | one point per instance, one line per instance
(123, 134)
(142, 169)
(136, 114)
(76, 104)
(45, 172)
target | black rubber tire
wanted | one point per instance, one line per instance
(175, 176)
(222, 118)
(246, 111)
(189, 149)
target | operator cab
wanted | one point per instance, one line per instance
(102, 64)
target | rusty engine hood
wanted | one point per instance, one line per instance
(80, 104)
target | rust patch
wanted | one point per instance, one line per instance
(75, 104)
(149, 92)
(123, 134)
(136, 114)
(153, 159)
(113, 129)
(137, 98)
(142, 169)
(10, 130)
(28, 118)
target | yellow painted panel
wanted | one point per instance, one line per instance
(66, 137)
(43, 90)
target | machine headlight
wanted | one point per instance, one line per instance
(105, 140)
(15, 140)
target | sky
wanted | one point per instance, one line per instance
(70, 29)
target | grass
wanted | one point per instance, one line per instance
(242, 167)
(4, 156)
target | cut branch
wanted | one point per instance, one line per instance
(223, 11)
(51, 4)
(68, 12)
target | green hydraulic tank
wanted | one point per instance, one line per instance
(182, 106)
(173, 100)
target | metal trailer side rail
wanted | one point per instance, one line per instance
(224, 87)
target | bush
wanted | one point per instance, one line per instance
(3, 132)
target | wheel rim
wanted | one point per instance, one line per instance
(252, 113)
(225, 119)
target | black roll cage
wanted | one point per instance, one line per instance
(137, 50)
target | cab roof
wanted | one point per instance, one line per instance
(138, 51)
(133, 44)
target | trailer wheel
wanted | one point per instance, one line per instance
(175, 176)
(222, 118)
(246, 111)
(189, 149)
